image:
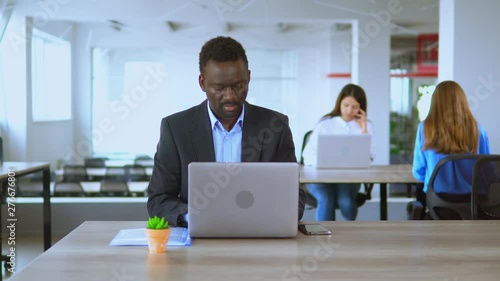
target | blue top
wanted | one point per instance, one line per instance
(227, 145)
(424, 162)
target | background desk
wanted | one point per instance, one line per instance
(25, 168)
(101, 172)
(395, 250)
(381, 174)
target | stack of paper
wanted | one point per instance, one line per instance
(137, 237)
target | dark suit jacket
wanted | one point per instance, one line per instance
(187, 137)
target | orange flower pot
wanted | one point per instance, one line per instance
(157, 239)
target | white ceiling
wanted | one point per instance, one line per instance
(408, 18)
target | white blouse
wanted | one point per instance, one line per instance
(334, 126)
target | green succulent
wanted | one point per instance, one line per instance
(157, 223)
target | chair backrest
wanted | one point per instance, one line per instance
(310, 200)
(1, 150)
(304, 142)
(29, 188)
(71, 189)
(486, 188)
(74, 173)
(114, 188)
(97, 162)
(144, 160)
(115, 174)
(450, 186)
(135, 173)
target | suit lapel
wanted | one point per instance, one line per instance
(251, 145)
(201, 135)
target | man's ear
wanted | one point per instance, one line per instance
(249, 76)
(201, 81)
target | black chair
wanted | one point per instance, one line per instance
(74, 173)
(115, 174)
(95, 162)
(361, 197)
(486, 188)
(144, 160)
(446, 174)
(68, 189)
(135, 173)
(1, 150)
(114, 188)
(30, 185)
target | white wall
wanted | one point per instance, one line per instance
(475, 64)
(13, 52)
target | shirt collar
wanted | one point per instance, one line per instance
(214, 120)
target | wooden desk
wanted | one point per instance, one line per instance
(377, 251)
(381, 174)
(101, 172)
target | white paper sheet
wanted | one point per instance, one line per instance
(137, 237)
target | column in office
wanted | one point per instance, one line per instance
(468, 54)
(339, 61)
(371, 43)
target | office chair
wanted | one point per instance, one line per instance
(486, 188)
(135, 173)
(114, 188)
(361, 197)
(144, 160)
(115, 174)
(1, 150)
(68, 189)
(95, 162)
(74, 173)
(447, 175)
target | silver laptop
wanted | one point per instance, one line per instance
(243, 199)
(343, 151)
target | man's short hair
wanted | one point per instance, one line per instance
(221, 49)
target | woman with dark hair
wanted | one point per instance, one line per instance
(347, 117)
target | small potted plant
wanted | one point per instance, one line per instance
(157, 232)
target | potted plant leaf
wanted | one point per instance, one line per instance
(157, 232)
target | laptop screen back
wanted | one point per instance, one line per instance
(343, 151)
(243, 199)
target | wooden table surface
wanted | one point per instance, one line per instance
(396, 173)
(394, 250)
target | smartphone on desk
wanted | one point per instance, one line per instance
(314, 229)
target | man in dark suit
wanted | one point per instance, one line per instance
(223, 128)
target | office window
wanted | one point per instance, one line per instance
(274, 84)
(402, 121)
(129, 100)
(274, 79)
(424, 93)
(400, 92)
(50, 77)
